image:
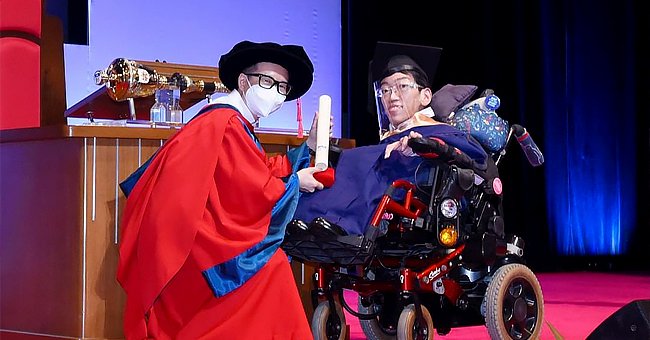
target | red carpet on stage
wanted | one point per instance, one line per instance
(574, 304)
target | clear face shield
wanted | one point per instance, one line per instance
(400, 92)
(382, 114)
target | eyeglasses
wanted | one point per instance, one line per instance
(268, 82)
(400, 88)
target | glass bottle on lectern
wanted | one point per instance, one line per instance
(175, 114)
(158, 112)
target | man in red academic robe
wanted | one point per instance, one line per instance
(199, 251)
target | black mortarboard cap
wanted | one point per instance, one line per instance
(393, 57)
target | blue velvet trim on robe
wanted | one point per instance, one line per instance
(228, 276)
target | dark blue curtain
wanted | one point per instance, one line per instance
(590, 125)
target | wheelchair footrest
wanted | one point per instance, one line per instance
(340, 250)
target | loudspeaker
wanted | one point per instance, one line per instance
(630, 322)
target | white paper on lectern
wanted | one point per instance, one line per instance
(323, 132)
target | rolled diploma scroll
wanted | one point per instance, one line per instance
(323, 132)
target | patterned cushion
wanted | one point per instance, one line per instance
(483, 124)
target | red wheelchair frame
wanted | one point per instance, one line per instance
(417, 270)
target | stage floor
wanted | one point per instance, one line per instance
(575, 304)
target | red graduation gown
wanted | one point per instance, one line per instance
(206, 197)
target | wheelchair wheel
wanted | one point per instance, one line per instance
(513, 304)
(383, 327)
(408, 327)
(327, 324)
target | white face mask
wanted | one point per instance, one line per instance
(262, 102)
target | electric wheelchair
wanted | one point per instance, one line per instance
(435, 256)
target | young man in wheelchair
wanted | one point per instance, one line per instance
(414, 224)
(404, 97)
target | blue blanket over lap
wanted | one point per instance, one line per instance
(362, 176)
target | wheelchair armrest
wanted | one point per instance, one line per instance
(436, 148)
